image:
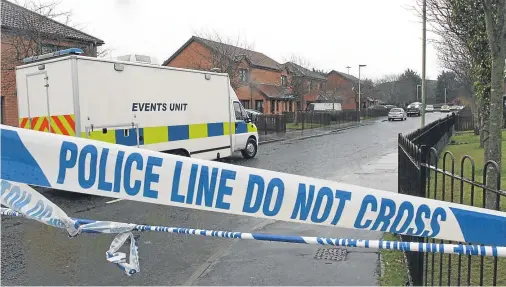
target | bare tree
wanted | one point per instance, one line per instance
(223, 53)
(297, 81)
(388, 89)
(495, 17)
(366, 90)
(463, 48)
(30, 40)
(104, 52)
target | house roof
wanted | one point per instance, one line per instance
(16, 17)
(301, 71)
(255, 59)
(344, 75)
(273, 91)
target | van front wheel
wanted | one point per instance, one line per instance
(251, 149)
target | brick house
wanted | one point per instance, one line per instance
(341, 86)
(259, 81)
(24, 34)
(309, 83)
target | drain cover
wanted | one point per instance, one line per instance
(333, 254)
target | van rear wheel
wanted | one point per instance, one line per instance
(251, 149)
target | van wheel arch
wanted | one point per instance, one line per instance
(253, 138)
(179, 151)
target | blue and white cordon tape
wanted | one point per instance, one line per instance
(43, 209)
(462, 249)
(98, 168)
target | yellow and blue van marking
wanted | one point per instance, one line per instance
(161, 134)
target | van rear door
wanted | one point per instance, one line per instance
(38, 106)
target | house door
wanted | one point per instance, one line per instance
(38, 102)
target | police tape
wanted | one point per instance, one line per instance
(45, 211)
(446, 248)
(24, 201)
(103, 169)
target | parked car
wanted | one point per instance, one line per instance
(397, 114)
(414, 109)
(253, 114)
(429, 108)
(445, 109)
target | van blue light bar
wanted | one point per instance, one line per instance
(71, 51)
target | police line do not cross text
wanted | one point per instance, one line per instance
(195, 184)
(104, 169)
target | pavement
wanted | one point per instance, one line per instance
(314, 132)
(35, 254)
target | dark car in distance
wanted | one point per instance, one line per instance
(414, 109)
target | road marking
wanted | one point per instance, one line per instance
(113, 201)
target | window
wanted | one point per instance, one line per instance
(259, 105)
(245, 104)
(283, 81)
(239, 113)
(142, 58)
(310, 85)
(243, 75)
(290, 106)
(272, 106)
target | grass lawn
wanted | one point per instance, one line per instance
(395, 270)
(456, 191)
(465, 144)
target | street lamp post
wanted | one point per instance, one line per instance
(424, 39)
(359, 102)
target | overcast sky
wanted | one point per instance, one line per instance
(385, 35)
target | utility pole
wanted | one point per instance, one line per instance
(348, 67)
(445, 96)
(423, 59)
(359, 102)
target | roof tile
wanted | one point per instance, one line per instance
(17, 17)
(301, 71)
(273, 91)
(255, 58)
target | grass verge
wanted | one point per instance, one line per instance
(395, 271)
(453, 269)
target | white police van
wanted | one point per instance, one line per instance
(178, 111)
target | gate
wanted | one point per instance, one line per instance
(419, 175)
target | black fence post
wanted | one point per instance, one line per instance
(265, 125)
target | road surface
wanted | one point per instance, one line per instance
(34, 254)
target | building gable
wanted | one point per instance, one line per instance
(255, 59)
